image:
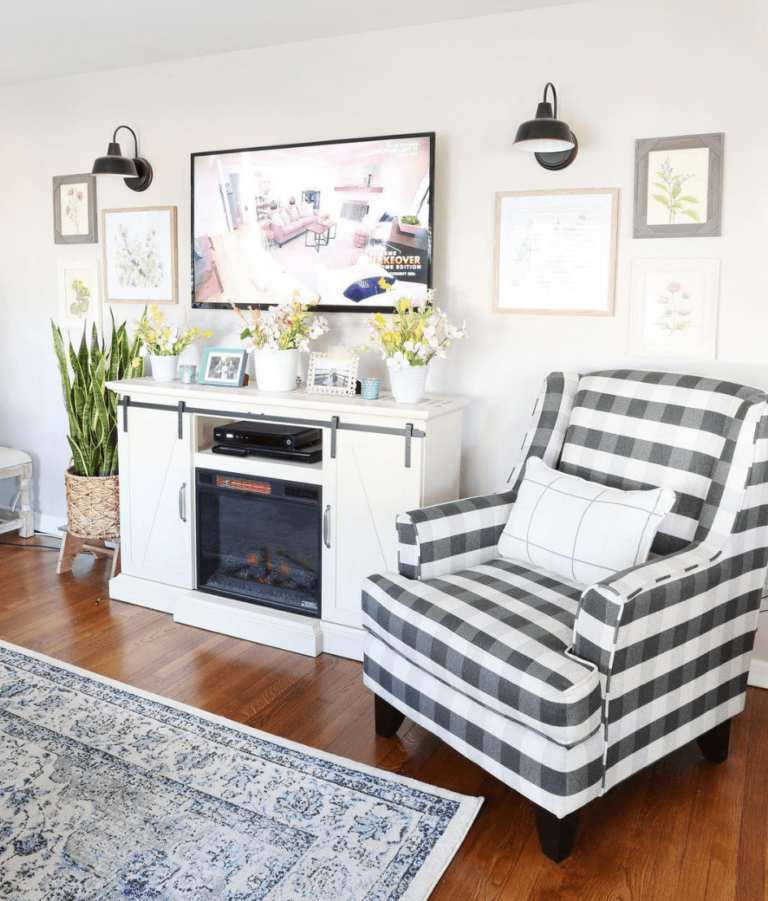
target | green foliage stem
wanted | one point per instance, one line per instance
(91, 407)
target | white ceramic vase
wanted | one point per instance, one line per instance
(408, 382)
(276, 370)
(164, 368)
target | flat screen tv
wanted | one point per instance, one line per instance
(338, 221)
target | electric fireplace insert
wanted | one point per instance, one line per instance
(259, 540)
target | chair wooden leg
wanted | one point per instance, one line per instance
(556, 836)
(714, 744)
(388, 718)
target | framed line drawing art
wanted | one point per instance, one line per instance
(74, 209)
(674, 308)
(679, 186)
(555, 251)
(140, 262)
(79, 305)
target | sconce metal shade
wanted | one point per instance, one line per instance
(114, 163)
(546, 136)
(136, 171)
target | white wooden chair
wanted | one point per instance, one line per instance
(15, 464)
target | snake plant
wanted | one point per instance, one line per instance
(91, 406)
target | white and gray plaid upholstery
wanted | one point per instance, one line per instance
(632, 430)
(549, 420)
(448, 537)
(557, 777)
(499, 633)
(670, 640)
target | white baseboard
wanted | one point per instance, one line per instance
(49, 524)
(343, 641)
(758, 673)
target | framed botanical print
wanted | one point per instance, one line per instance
(674, 308)
(139, 255)
(678, 186)
(74, 209)
(79, 305)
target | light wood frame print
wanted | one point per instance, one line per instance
(139, 247)
(555, 251)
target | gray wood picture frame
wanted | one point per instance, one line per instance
(90, 235)
(712, 227)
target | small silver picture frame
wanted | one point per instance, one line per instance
(334, 372)
(687, 226)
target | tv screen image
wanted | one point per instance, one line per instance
(340, 221)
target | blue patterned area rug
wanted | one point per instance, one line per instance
(107, 792)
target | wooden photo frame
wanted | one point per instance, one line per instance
(555, 252)
(140, 255)
(679, 186)
(334, 372)
(75, 220)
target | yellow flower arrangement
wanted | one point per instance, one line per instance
(162, 339)
(413, 335)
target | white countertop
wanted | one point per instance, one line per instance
(210, 396)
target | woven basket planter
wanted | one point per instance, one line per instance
(93, 505)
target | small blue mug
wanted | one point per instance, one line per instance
(370, 388)
(187, 373)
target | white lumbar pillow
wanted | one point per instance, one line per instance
(580, 530)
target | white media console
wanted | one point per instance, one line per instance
(379, 458)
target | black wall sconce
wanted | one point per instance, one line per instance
(548, 138)
(136, 171)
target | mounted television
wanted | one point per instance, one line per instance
(336, 220)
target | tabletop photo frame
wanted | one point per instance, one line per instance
(334, 372)
(223, 366)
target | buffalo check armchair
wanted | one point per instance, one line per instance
(562, 690)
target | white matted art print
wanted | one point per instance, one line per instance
(140, 262)
(556, 251)
(79, 305)
(674, 308)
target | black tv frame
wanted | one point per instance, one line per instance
(322, 308)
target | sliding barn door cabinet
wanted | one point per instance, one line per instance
(336, 524)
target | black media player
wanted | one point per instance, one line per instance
(268, 439)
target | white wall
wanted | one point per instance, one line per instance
(624, 70)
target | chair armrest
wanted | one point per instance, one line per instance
(646, 611)
(449, 537)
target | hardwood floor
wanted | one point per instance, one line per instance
(684, 829)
